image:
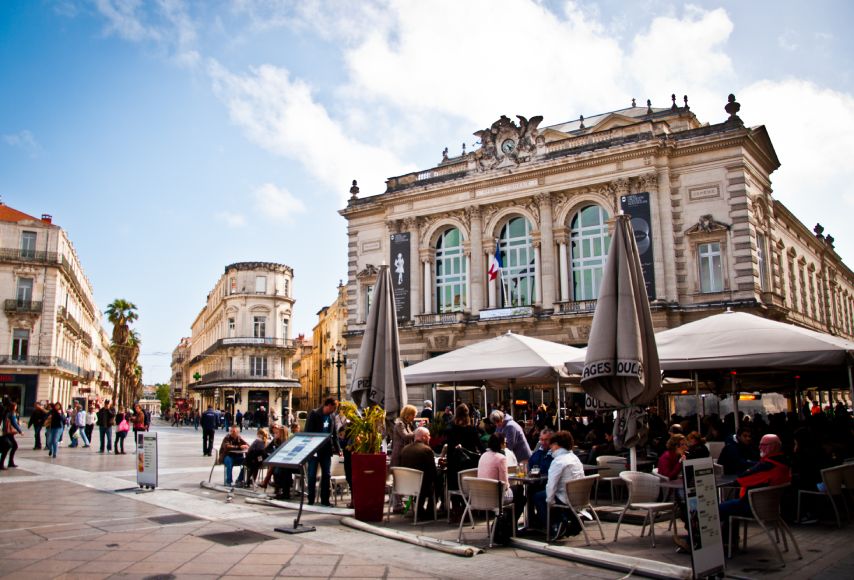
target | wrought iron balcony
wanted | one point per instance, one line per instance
(29, 256)
(23, 306)
(440, 319)
(576, 307)
(26, 361)
(240, 375)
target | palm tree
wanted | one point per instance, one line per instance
(125, 345)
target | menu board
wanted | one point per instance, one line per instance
(146, 459)
(296, 450)
(704, 526)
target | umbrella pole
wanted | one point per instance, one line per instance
(633, 458)
(734, 403)
(557, 396)
(850, 383)
(697, 393)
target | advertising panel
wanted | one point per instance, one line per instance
(704, 526)
(146, 459)
(637, 206)
(400, 273)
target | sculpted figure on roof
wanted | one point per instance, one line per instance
(505, 143)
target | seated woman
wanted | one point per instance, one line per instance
(283, 479)
(696, 446)
(564, 468)
(493, 465)
(670, 462)
(257, 454)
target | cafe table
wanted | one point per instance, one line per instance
(528, 480)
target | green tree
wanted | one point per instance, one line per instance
(125, 348)
(163, 395)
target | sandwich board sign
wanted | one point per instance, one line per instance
(146, 459)
(704, 526)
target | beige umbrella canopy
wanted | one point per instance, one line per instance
(378, 379)
(621, 364)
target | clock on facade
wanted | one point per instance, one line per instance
(508, 146)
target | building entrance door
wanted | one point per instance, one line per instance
(258, 399)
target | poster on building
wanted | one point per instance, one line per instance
(704, 526)
(637, 206)
(146, 459)
(400, 272)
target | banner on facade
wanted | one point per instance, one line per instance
(704, 527)
(400, 272)
(637, 206)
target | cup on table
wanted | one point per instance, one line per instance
(535, 471)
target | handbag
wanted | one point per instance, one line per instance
(123, 426)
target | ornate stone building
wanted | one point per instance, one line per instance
(52, 343)
(180, 365)
(240, 350)
(710, 233)
(329, 351)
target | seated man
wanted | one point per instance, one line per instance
(738, 454)
(418, 455)
(565, 467)
(232, 451)
(772, 469)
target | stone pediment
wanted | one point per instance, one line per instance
(707, 225)
(613, 121)
(370, 271)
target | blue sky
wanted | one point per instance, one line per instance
(171, 138)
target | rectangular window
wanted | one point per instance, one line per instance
(284, 327)
(24, 294)
(259, 326)
(28, 244)
(711, 268)
(233, 283)
(231, 327)
(260, 284)
(285, 287)
(258, 366)
(763, 262)
(20, 344)
(369, 295)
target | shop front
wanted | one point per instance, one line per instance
(20, 389)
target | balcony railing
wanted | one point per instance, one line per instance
(47, 361)
(241, 375)
(23, 306)
(255, 341)
(29, 256)
(440, 319)
(576, 307)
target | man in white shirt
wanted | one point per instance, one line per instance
(79, 419)
(564, 468)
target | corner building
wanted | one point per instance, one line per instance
(240, 351)
(710, 233)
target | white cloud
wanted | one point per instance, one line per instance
(232, 220)
(812, 129)
(788, 40)
(23, 140)
(277, 202)
(281, 115)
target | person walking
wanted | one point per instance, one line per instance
(106, 420)
(91, 418)
(122, 428)
(238, 418)
(37, 419)
(80, 421)
(56, 418)
(208, 421)
(138, 417)
(11, 427)
(320, 420)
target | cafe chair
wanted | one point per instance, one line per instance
(578, 492)
(644, 489)
(610, 467)
(715, 448)
(406, 482)
(833, 479)
(485, 495)
(460, 491)
(338, 480)
(765, 507)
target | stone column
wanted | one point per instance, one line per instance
(475, 273)
(561, 235)
(538, 276)
(489, 250)
(427, 279)
(467, 305)
(546, 263)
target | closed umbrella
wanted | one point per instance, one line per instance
(378, 379)
(621, 365)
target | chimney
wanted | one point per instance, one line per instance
(47, 218)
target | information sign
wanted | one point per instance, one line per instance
(296, 450)
(146, 459)
(704, 526)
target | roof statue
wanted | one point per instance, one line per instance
(505, 143)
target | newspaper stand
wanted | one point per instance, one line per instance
(294, 454)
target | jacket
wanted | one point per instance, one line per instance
(106, 417)
(771, 470)
(565, 467)
(317, 422)
(209, 420)
(515, 438)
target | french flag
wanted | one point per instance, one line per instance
(495, 264)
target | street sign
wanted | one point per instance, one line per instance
(704, 526)
(146, 459)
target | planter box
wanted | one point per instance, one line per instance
(369, 477)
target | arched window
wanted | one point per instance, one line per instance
(589, 250)
(450, 272)
(517, 257)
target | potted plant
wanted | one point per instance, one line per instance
(364, 435)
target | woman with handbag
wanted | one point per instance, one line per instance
(11, 427)
(122, 428)
(56, 420)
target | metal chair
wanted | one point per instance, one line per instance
(578, 492)
(485, 495)
(833, 480)
(644, 489)
(765, 506)
(460, 491)
(406, 482)
(610, 467)
(338, 480)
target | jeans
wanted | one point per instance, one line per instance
(106, 434)
(325, 462)
(37, 433)
(89, 430)
(231, 459)
(120, 441)
(54, 434)
(81, 432)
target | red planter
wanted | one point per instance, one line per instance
(369, 476)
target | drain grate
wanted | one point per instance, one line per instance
(237, 538)
(173, 519)
(160, 577)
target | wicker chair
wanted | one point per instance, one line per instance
(578, 493)
(460, 491)
(407, 482)
(644, 489)
(486, 495)
(338, 479)
(610, 467)
(833, 479)
(765, 506)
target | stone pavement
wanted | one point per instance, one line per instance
(79, 516)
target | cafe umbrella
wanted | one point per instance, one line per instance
(621, 364)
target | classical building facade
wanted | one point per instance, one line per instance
(52, 343)
(180, 377)
(329, 372)
(240, 350)
(541, 202)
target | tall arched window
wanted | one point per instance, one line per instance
(589, 250)
(517, 257)
(450, 272)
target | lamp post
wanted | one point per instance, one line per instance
(337, 359)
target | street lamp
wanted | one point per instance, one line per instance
(337, 359)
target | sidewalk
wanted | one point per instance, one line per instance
(79, 516)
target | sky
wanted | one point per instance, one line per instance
(170, 138)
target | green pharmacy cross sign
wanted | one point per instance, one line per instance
(197, 376)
